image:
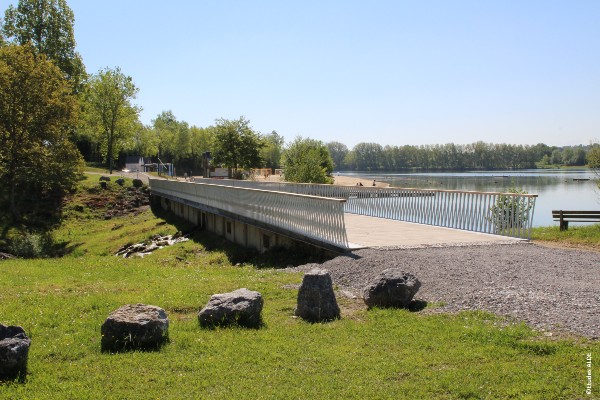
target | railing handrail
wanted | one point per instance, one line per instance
(360, 188)
(315, 217)
(501, 213)
(336, 199)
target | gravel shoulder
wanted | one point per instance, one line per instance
(551, 289)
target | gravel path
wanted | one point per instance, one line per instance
(551, 289)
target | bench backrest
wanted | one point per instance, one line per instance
(576, 214)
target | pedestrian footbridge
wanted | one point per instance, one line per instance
(342, 218)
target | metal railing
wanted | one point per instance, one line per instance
(318, 218)
(507, 214)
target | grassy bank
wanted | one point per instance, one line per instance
(584, 236)
(368, 354)
(62, 302)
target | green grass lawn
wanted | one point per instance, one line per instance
(376, 354)
(587, 236)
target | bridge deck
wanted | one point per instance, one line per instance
(366, 231)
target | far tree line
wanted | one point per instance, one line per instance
(54, 115)
(176, 141)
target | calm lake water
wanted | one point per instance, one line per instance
(557, 189)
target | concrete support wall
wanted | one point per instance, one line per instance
(238, 232)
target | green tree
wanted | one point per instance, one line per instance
(237, 145)
(201, 141)
(37, 112)
(2, 40)
(183, 142)
(556, 157)
(165, 127)
(109, 114)
(567, 156)
(307, 160)
(143, 141)
(593, 157)
(338, 152)
(48, 26)
(368, 156)
(593, 160)
(273, 149)
(174, 138)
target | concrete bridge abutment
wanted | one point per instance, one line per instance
(231, 228)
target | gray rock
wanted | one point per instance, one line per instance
(242, 307)
(392, 288)
(316, 299)
(14, 352)
(135, 326)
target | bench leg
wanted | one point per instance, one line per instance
(564, 225)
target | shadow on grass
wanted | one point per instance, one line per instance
(128, 347)
(417, 305)
(276, 257)
(238, 324)
(18, 377)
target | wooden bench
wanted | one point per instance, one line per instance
(576, 216)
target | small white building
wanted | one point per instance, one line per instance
(136, 163)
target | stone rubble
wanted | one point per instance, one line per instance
(156, 242)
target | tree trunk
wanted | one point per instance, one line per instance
(110, 153)
(14, 211)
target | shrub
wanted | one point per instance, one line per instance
(510, 212)
(31, 245)
(138, 183)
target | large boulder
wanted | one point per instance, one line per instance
(14, 352)
(392, 288)
(135, 326)
(316, 299)
(242, 307)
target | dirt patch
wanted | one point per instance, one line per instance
(568, 246)
(111, 202)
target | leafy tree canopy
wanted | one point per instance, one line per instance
(338, 152)
(37, 113)
(174, 137)
(236, 145)
(110, 117)
(48, 26)
(593, 157)
(272, 151)
(143, 142)
(307, 160)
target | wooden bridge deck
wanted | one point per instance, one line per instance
(366, 231)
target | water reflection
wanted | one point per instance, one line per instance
(557, 189)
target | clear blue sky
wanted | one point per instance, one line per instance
(391, 72)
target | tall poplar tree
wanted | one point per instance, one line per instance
(109, 114)
(48, 26)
